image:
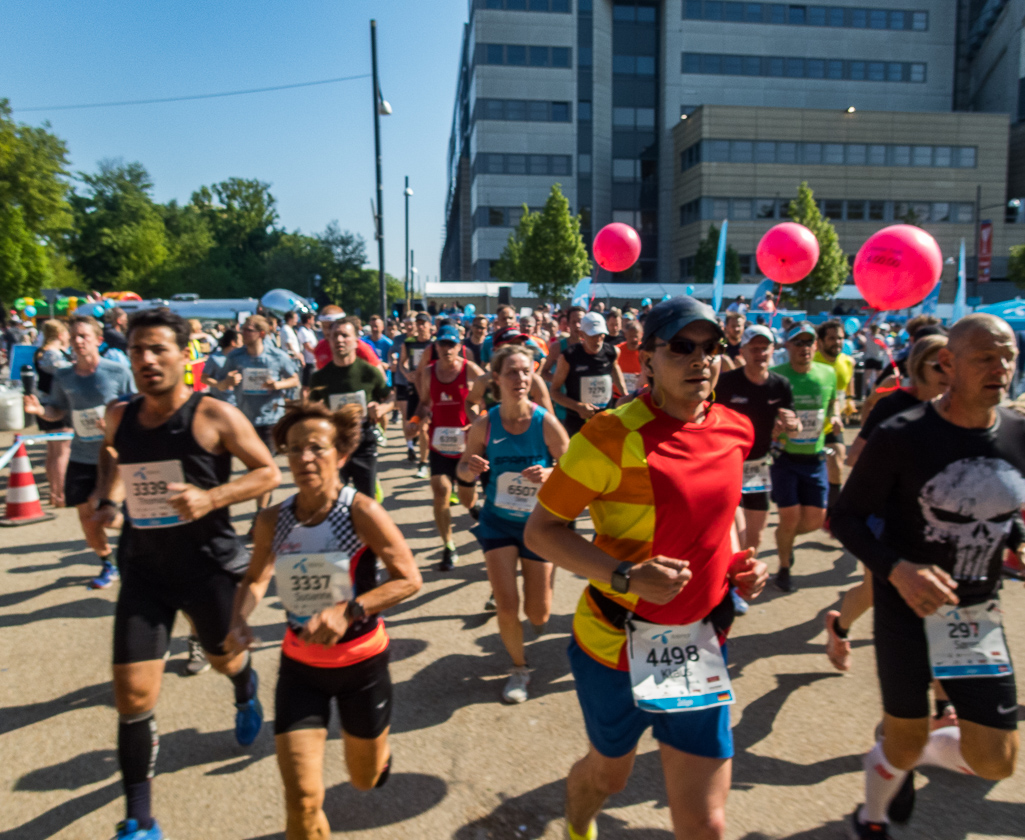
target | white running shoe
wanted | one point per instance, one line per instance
(515, 690)
(198, 663)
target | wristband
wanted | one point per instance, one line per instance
(415, 418)
(106, 503)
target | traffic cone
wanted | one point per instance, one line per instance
(23, 505)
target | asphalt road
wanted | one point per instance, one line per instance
(465, 765)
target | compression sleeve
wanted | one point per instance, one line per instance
(865, 494)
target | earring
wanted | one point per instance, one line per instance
(711, 397)
(654, 398)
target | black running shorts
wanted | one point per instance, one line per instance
(361, 469)
(755, 501)
(363, 693)
(902, 662)
(79, 483)
(444, 465)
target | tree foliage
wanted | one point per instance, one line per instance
(704, 259)
(546, 250)
(1016, 266)
(832, 268)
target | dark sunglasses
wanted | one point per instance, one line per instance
(686, 347)
(806, 342)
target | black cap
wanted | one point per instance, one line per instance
(667, 318)
(507, 334)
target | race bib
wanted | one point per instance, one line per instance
(596, 390)
(812, 421)
(86, 422)
(147, 493)
(415, 356)
(310, 583)
(254, 380)
(631, 380)
(677, 668)
(515, 493)
(449, 439)
(336, 401)
(968, 641)
(756, 476)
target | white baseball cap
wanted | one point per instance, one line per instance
(593, 324)
(754, 332)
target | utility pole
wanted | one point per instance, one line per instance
(407, 193)
(377, 158)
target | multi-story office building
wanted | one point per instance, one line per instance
(605, 97)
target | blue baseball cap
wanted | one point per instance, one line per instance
(803, 328)
(667, 318)
(448, 333)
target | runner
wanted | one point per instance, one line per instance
(348, 379)
(589, 372)
(444, 418)
(798, 475)
(335, 645)
(830, 335)
(52, 356)
(178, 551)
(734, 327)
(629, 356)
(515, 443)
(410, 354)
(505, 316)
(327, 316)
(767, 400)
(84, 391)
(474, 340)
(259, 371)
(308, 344)
(946, 479)
(214, 369)
(483, 395)
(928, 381)
(662, 477)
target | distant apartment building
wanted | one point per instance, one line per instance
(671, 115)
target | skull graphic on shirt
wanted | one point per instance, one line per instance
(969, 506)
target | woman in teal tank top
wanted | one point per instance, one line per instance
(514, 444)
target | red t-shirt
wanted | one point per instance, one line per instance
(448, 405)
(322, 353)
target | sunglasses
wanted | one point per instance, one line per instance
(804, 342)
(686, 347)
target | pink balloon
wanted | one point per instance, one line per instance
(897, 267)
(787, 253)
(617, 247)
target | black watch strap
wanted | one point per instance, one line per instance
(621, 577)
(106, 503)
(354, 611)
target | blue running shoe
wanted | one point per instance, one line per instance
(129, 830)
(740, 606)
(249, 717)
(108, 574)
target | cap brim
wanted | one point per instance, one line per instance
(667, 331)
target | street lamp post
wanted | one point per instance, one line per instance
(380, 107)
(407, 193)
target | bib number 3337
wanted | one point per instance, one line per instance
(677, 668)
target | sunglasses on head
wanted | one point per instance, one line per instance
(686, 347)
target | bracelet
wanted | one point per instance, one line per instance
(106, 503)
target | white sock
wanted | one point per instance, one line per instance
(943, 749)
(882, 781)
(409, 444)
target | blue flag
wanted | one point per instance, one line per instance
(719, 278)
(581, 294)
(960, 305)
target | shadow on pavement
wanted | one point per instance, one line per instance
(15, 717)
(81, 557)
(11, 599)
(86, 608)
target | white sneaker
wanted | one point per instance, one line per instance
(515, 690)
(198, 662)
(423, 471)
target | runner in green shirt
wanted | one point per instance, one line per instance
(799, 480)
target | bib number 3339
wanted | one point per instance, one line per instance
(677, 668)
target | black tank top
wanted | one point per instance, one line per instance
(208, 542)
(581, 364)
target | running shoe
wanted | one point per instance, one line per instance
(129, 830)
(1013, 566)
(948, 718)
(105, 579)
(198, 663)
(378, 493)
(838, 649)
(740, 606)
(783, 583)
(489, 605)
(857, 830)
(249, 716)
(475, 512)
(453, 499)
(904, 802)
(379, 436)
(449, 558)
(515, 690)
(411, 454)
(395, 416)
(423, 471)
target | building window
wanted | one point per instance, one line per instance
(854, 210)
(966, 157)
(516, 164)
(522, 110)
(765, 152)
(856, 154)
(747, 264)
(786, 152)
(583, 164)
(584, 111)
(561, 6)
(716, 64)
(832, 154)
(516, 55)
(741, 151)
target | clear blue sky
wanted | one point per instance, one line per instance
(313, 145)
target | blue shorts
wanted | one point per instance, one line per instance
(799, 482)
(493, 531)
(615, 725)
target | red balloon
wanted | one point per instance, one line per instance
(787, 253)
(897, 267)
(616, 247)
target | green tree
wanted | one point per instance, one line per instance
(704, 259)
(546, 250)
(832, 269)
(1016, 266)
(34, 211)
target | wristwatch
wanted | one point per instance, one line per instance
(106, 503)
(354, 611)
(621, 577)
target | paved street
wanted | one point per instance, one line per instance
(465, 766)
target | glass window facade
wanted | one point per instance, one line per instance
(711, 208)
(520, 55)
(521, 110)
(803, 15)
(833, 154)
(492, 163)
(716, 64)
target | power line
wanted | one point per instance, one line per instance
(195, 96)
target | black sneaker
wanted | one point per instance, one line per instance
(904, 802)
(411, 455)
(475, 512)
(783, 580)
(857, 830)
(489, 605)
(448, 560)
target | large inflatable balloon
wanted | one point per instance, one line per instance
(617, 247)
(129, 296)
(20, 304)
(787, 253)
(897, 267)
(30, 312)
(851, 326)
(280, 301)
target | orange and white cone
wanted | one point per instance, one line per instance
(23, 505)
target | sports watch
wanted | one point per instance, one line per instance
(354, 611)
(621, 577)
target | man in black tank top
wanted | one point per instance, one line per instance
(178, 550)
(589, 370)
